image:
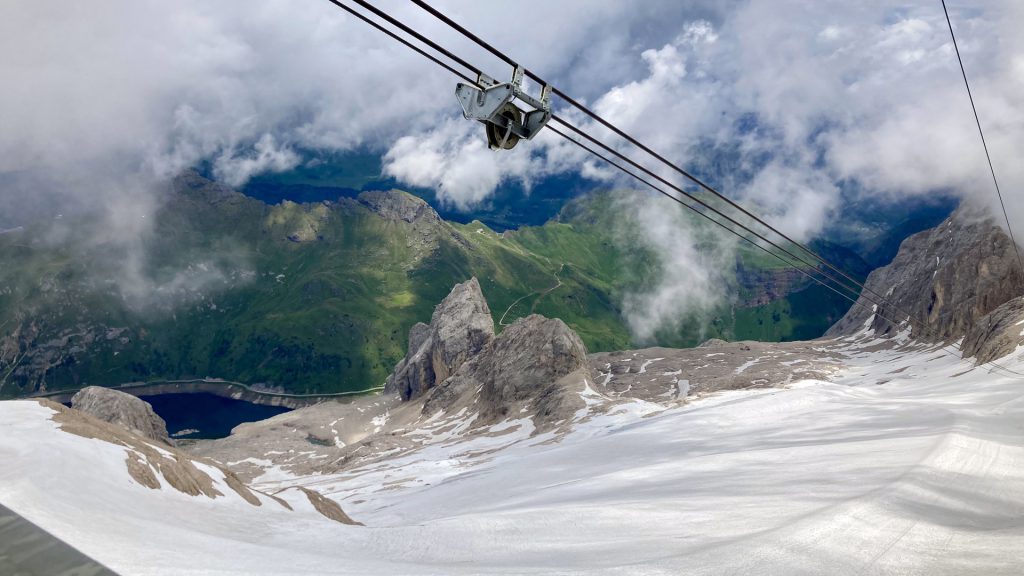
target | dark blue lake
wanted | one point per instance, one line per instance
(207, 416)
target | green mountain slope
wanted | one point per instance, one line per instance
(319, 297)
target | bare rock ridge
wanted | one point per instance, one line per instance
(192, 183)
(459, 380)
(947, 279)
(532, 353)
(397, 205)
(456, 360)
(460, 327)
(538, 368)
(523, 367)
(161, 466)
(676, 374)
(996, 334)
(147, 464)
(124, 410)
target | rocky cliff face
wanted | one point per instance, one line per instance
(458, 360)
(996, 334)
(460, 327)
(397, 205)
(459, 381)
(521, 372)
(945, 279)
(530, 355)
(124, 410)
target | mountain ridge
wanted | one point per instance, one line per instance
(316, 298)
(884, 435)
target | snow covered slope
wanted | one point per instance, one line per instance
(909, 461)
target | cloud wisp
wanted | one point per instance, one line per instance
(691, 267)
(804, 100)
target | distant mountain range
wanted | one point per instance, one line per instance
(318, 297)
(576, 461)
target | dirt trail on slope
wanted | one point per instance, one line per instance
(539, 293)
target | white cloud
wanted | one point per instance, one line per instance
(691, 270)
(267, 156)
(793, 199)
(836, 92)
(807, 94)
(454, 159)
(176, 83)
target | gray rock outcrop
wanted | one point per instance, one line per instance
(945, 279)
(996, 334)
(657, 374)
(397, 205)
(124, 410)
(459, 329)
(418, 334)
(524, 366)
(530, 355)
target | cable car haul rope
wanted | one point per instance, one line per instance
(492, 103)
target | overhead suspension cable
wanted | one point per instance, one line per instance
(679, 201)
(401, 26)
(474, 38)
(877, 310)
(981, 133)
(408, 44)
(434, 45)
(508, 60)
(477, 71)
(700, 202)
(675, 167)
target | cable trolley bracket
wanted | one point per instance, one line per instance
(506, 124)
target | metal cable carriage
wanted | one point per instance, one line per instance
(506, 124)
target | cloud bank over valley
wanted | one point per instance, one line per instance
(786, 106)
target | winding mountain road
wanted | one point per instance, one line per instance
(540, 293)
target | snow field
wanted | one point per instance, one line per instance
(909, 462)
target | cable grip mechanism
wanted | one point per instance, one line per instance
(491, 102)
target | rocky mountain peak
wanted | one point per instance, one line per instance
(460, 327)
(460, 362)
(121, 409)
(191, 183)
(525, 371)
(531, 354)
(396, 205)
(946, 278)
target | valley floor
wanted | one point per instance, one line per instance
(909, 461)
